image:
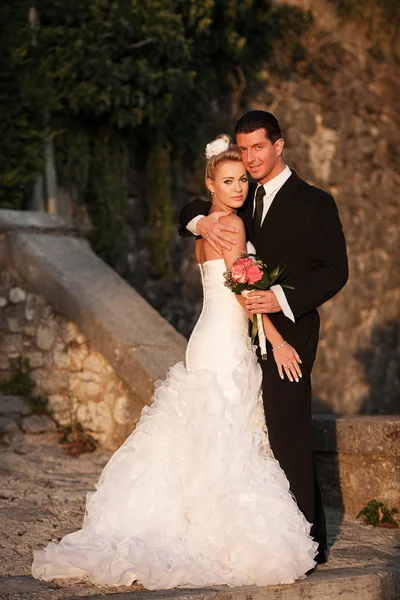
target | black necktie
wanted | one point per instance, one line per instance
(260, 193)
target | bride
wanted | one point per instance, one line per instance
(194, 497)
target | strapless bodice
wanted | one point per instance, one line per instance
(220, 337)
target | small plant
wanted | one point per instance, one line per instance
(378, 515)
(20, 382)
(75, 439)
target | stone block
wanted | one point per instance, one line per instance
(51, 382)
(38, 424)
(87, 390)
(46, 334)
(95, 416)
(14, 325)
(6, 280)
(16, 295)
(11, 343)
(95, 362)
(358, 459)
(63, 407)
(16, 405)
(126, 411)
(31, 307)
(37, 359)
(8, 425)
(61, 358)
(3, 301)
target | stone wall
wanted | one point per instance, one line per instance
(95, 346)
(358, 460)
(77, 381)
(342, 135)
(341, 123)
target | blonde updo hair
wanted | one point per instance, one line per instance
(231, 153)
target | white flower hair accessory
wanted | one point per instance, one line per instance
(216, 147)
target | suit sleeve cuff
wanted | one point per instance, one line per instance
(280, 294)
(192, 225)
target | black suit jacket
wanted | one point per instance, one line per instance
(302, 231)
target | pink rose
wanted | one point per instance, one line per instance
(246, 262)
(254, 274)
(239, 273)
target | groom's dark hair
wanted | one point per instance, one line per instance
(260, 119)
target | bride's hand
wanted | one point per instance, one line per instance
(288, 361)
(212, 230)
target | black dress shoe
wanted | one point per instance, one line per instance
(321, 557)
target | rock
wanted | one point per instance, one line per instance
(30, 330)
(30, 307)
(46, 335)
(14, 325)
(38, 424)
(3, 301)
(6, 281)
(11, 343)
(16, 295)
(8, 425)
(94, 362)
(95, 416)
(87, 391)
(14, 405)
(60, 356)
(125, 411)
(63, 407)
(51, 382)
(36, 359)
(4, 363)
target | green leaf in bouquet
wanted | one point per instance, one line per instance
(276, 273)
(239, 288)
(288, 287)
(264, 283)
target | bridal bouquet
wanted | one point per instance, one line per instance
(249, 273)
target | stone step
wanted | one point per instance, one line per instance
(330, 584)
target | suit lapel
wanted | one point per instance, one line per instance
(282, 199)
(274, 220)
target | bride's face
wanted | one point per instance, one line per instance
(229, 186)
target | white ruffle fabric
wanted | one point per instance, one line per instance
(194, 497)
(190, 499)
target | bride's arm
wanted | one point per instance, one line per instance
(285, 356)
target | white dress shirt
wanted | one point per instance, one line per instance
(271, 188)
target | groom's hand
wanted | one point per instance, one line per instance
(262, 301)
(212, 231)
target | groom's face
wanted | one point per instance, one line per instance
(260, 157)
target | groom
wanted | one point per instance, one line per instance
(295, 224)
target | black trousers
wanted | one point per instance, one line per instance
(287, 409)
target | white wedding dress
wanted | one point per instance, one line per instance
(194, 497)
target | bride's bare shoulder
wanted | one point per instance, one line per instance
(232, 221)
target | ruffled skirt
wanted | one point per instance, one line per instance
(193, 498)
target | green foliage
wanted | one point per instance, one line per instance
(101, 77)
(376, 513)
(75, 439)
(22, 384)
(22, 131)
(160, 209)
(106, 194)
